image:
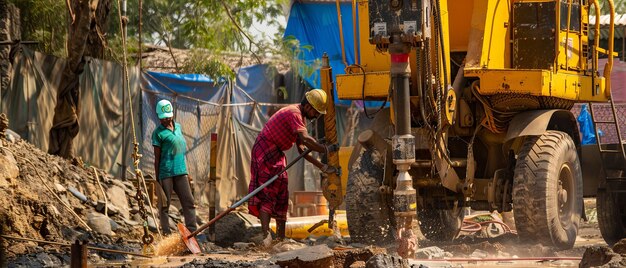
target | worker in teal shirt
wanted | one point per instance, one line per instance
(170, 168)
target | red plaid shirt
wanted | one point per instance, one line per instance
(283, 127)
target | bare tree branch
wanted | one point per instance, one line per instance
(230, 16)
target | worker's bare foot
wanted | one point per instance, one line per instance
(267, 241)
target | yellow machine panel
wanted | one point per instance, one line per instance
(539, 83)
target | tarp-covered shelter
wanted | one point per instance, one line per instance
(235, 110)
(30, 100)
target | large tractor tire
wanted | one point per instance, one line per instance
(547, 190)
(368, 211)
(440, 224)
(611, 215)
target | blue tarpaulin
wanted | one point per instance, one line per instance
(586, 126)
(316, 25)
(192, 85)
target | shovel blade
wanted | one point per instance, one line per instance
(190, 242)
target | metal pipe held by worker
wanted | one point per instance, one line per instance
(250, 195)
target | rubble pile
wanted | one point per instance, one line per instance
(604, 256)
(52, 199)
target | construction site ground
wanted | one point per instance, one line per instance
(42, 201)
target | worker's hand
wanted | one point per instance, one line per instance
(190, 179)
(330, 169)
(332, 148)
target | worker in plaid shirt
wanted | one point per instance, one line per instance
(284, 128)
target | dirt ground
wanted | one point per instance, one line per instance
(39, 198)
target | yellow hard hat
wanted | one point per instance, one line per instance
(317, 99)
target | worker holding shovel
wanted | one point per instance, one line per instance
(284, 129)
(170, 167)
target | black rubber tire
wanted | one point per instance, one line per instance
(369, 213)
(543, 163)
(611, 216)
(440, 224)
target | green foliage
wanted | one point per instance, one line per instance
(44, 21)
(201, 62)
(201, 24)
(292, 51)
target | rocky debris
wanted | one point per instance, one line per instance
(99, 223)
(8, 169)
(315, 256)
(237, 227)
(620, 247)
(196, 263)
(354, 257)
(30, 179)
(431, 253)
(479, 254)
(242, 246)
(601, 256)
(117, 196)
(386, 261)
(287, 245)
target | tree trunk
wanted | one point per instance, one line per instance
(85, 38)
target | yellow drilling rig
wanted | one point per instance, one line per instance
(480, 93)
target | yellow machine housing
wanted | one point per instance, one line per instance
(504, 55)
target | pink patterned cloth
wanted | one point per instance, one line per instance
(279, 134)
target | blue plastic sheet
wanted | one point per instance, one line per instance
(316, 25)
(586, 126)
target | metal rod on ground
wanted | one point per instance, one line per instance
(245, 198)
(68, 245)
(501, 259)
(78, 255)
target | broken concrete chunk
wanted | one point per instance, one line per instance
(603, 256)
(287, 245)
(8, 168)
(236, 227)
(242, 245)
(117, 196)
(59, 188)
(479, 254)
(620, 247)
(431, 253)
(110, 209)
(386, 261)
(315, 256)
(99, 223)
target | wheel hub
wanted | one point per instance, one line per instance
(562, 195)
(563, 192)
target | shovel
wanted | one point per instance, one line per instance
(189, 237)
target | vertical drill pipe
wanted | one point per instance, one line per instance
(250, 195)
(212, 186)
(332, 191)
(400, 78)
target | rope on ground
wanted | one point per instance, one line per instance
(54, 194)
(104, 194)
(476, 223)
